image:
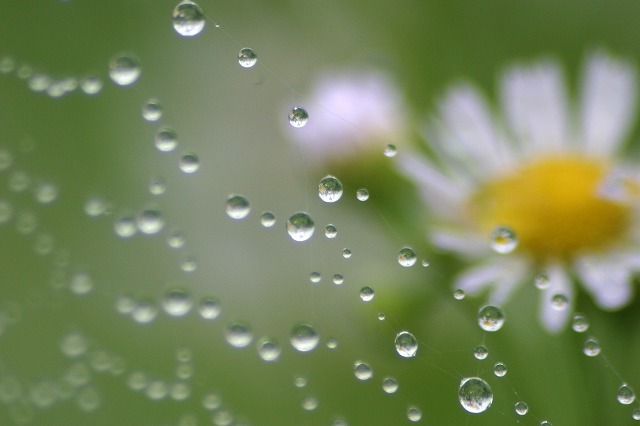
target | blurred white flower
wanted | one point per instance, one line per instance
(541, 169)
(351, 113)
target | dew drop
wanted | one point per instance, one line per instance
(625, 394)
(211, 401)
(176, 240)
(96, 206)
(6, 211)
(91, 85)
(315, 277)
(330, 231)
(189, 163)
(188, 264)
(237, 207)
(499, 369)
(247, 58)
(300, 226)
(298, 117)
(542, 281)
(309, 404)
(269, 350)
(180, 391)
(152, 110)
(406, 344)
(389, 385)
(424, 263)
(579, 322)
(390, 150)
(6, 159)
(144, 312)
(346, 253)
(459, 294)
(338, 279)
(19, 181)
(125, 226)
(559, 302)
(188, 19)
(332, 343)
(157, 390)
(124, 70)
(490, 318)
(166, 139)
(381, 316)
(407, 257)
(591, 347)
(74, 344)
(125, 304)
(475, 395)
(81, 283)
(150, 221)
(367, 294)
(46, 192)
(414, 414)
(545, 423)
(299, 381)
(503, 240)
(267, 219)
(177, 302)
(635, 414)
(157, 186)
(521, 408)
(304, 338)
(238, 335)
(330, 189)
(480, 352)
(362, 194)
(362, 370)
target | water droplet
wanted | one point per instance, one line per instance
(315, 277)
(211, 401)
(330, 231)
(180, 391)
(480, 352)
(559, 302)
(91, 85)
(503, 240)
(267, 219)
(6, 211)
(367, 294)
(579, 322)
(77, 375)
(269, 350)
(362, 194)
(635, 414)
(298, 117)
(125, 304)
(176, 240)
(150, 221)
(381, 316)
(166, 139)
(332, 343)
(390, 150)
(46, 192)
(346, 253)
(74, 344)
(189, 163)
(475, 395)
(414, 414)
(157, 390)
(157, 186)
(459, 294)
(490, 318)
(330, 189)
(309, 404)
(406, 344)
(407, 257)
(237, 207)
(389, 385)
(542, 281)
(247, 57)
(338, 279)
(500, 370)
(81, 283)
(625, 394)
(591, 347)
(177, 302)
(300, 226)
(304, 338)
(545, 423)
(152, 110)
(238, 335)
(188, 264)
(137, 380)
(19, 181)
(96, 206)
(144, 312)
(424, 263)
(124, 70)
(188, 19)
(125, 226)
(299, 381)
(521, 408)
(362, 370)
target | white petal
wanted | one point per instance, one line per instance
(608, 280)
(479, 277)
(552, 319)
(514, 271)
(608, 103)
(461, 242)
(535, 105)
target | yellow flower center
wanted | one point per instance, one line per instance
(554, 205)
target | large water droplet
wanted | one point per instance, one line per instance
(300, 226)
(124, 70)
(490, 318)
(625, 394)
(521, 408)
(407, 257)
(166, 139)
(237, 207)
(298, 117)
(188, 19)
(503, 240)
(330, 189)
(406, 344)
(238, 335)
(247, 58)
(475, 395)
(362, 370)
(304, 338)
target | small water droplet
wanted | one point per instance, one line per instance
(330, 189)
(635, 414)
(390, 150)
(238, 335)
(267, 219)
(381, 316)
(144, 312)
(74, 344)
(545, 423)
(304, 338)
(6, 211)
(124, 70)
(625, 394)
(237, 207)
(424, 263)
(180, 391)
(188, 264)
(150, 221)
(189, 163)
(177, 302)
(559, 302)
(247, 58)
(188, 19)
(330, 231)
(332, 343)
(362, 194)
(338, 279)
(81, 283)
(91, 85)
(521, 408)
(407, 257)
(362, 370)
(157, 390)
(414, 414)
(490, 318)
(367, 294)
(157, 186)
(315, 277)
(499, 369)
(300, 226)
(309, 404)
(542, 281)
(300, 381)
(19, 181)
(480, 352)
(389, 385)
(46, 192)
(579, 322)
(346, 253)
(211, 401)
(176, 240)
(269, 350)
(125, 226)
(166, 139)
(503, 240)
(459, 294)
(96, 206)
(152, 110)
(591, 347)
(475, 395)
(298, 117)
(406, 344)
(125, 304)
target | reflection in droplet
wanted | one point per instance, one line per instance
(300, 226)
(579, 322)
(490, 318)
(367, 294)
(152, 110)
(237, 207)
(406, 344)
(247, 58)
(269, 350)
(503, 240)
(238, 335)
(499, 369)
(459, 294)
(625, 394)
(414, 414)
(124, 70)
(542, 281)
(330, 231)
(177, 302)
(591, 347)
(189, 163)
(166, 139)
(330, 189)
(559, 302)
(521, 408)
(480, 352)
(475, 395)
(362, 194)
(267, 219)
(407, 257)
(390, 150)
(188, 19)
(389, 385)
(362, 370)
(304, 338)
(298, 117)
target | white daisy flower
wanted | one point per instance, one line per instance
(543, 169)
(349, 111)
